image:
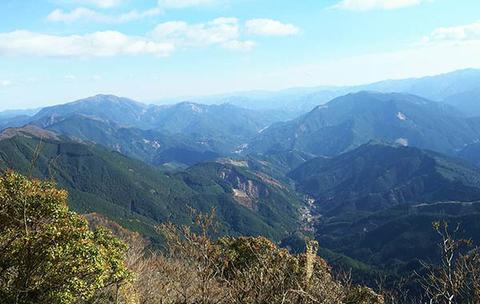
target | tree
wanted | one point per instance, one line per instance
(246, 270)
(456, 279)
(47, 253)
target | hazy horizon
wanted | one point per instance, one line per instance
(200, 98)
(55, 51)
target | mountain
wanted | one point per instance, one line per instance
(15, 118)
(376, 176)
(453, 88)
(376, 204)
(287, 104)
(397, 240)
(352, 120)
(154, 147)
(468, 101)
(120, 110)
(16, 113)
(139, 196)
(254, 190)
(222, 127)
(28, 131)
(437, 87)
(471, 153)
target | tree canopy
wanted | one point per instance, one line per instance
(47, 253)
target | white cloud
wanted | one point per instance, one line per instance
(164, 39)
(70, 77)
(367, 5)
(97, 44)
(221, 31)
(269, 27)
(184, 3)
(462, 33)
(86, 14)
(99, 3)
(5, 83)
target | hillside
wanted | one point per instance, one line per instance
(121, 110)
(397, 239)
(137, 195)
(352, 120)
(376, 176)
(376, 204)
(154, 147)
(471, 153)
(223, 127)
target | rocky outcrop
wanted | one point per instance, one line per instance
(246, 191)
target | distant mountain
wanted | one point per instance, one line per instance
(16, 113)
(278, 164)
(438, 87)
(471, 153)
(468, 101)
(223, 127)
(120, 110)
(352, 120)
(459, 88)
(13, 122)
(376, 176)
(16, 118)
(139, 196)
(288, 103)
(150, 146)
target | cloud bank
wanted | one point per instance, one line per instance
(269, 27)
(89, 15)
(462, 33)
(97, 44)
(163, 40)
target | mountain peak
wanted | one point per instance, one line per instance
(108, 98)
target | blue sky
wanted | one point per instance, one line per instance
(53, 51)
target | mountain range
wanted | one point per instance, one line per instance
(139, 196)
(349, 121)
(458, 88)
(376, 204)
(377, 176)
(364, 170)
(178, 135)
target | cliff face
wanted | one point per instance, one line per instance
(246, 191)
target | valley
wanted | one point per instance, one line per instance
(364, 174)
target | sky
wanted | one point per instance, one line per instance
(55, 51)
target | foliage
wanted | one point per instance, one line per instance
(47, 253)
(456, 279)
(139, 196)
(349, 121)
(198, 269)
(377, 176)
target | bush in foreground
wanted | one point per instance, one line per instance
(48, 254)
(51, 255)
